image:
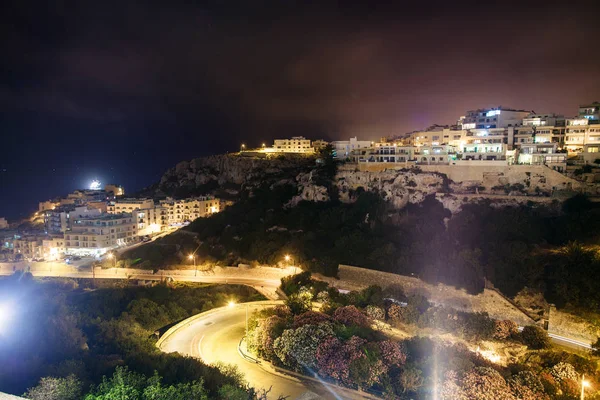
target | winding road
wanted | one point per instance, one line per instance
(215, 338)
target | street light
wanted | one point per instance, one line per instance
(111, 256)
(231, 304)
(288, 258)
(242, 147)
(193, 257)
(584, 384)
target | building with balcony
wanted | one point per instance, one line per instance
(59, 220)
(344, 148)
(297, 144)
(539, 154)
(591, 112)
(490, 118)
(384, 152)
(120, 206)
(96, 235)
(179, 212)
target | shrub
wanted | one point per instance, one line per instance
(374, 312)
(310, 318)
(350, 315)
(504, 329)
(535, 337)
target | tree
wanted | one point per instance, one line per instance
(535, 337)
(300, 302)
(504, 329)
(51, 388)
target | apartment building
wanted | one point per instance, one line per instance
(384, 152)
(120, 206)
(187, 210)
(97, 235)
(297, 144)
(591, 112)
(3, 223)
(344, 148)
(490, 118)
(59, 219)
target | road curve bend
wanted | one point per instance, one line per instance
(214, 337)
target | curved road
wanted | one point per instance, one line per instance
(215, 338)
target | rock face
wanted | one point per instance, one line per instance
(232, 170)
(452, 185)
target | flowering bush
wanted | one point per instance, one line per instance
(262, 339)
(527, 386)
(535, 337)
(297, 348)
(310, 318)
(334, 357)
(504, 329)
(375, 312)
(351, 315)
(483, 383)
(563, 371)
(391, 353)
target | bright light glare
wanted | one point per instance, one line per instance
(191, 256)
(95, 185)
(6, 313)
(231, 304)
(287, 258)
(585, 384)
(110, 256)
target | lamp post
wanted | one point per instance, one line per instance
(193, 258)
(584, 384)
(288, 258)
(111, 256)
(232, 304)
(242, 147)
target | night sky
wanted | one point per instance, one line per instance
(121, 91)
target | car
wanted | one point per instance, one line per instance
(76, 258)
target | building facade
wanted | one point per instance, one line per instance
(59, 220)
(297, 144)
(120, 206)
(344, 148)
(97, 235)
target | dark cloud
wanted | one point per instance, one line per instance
(153, 83)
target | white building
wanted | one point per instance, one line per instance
(3, 223)
(96, 235)
(297, 144)
(186, 210)
(343, 148)
(59, 219)
(489, 118)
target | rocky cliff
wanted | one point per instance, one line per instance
(231, 172)
(452, 185)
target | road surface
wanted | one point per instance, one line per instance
(267, 287)
(215, 338)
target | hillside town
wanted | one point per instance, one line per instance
(93, 222)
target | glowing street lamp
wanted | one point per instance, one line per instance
(584, 384)
(242, 147)
(193, 258)
(232, 304)
(287, 259)
(111, 256)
